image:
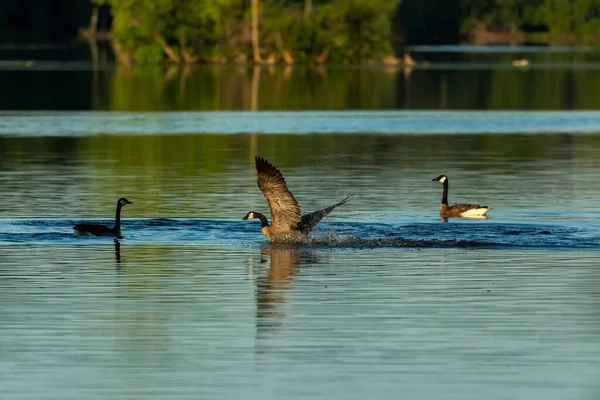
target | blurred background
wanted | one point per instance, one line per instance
(201, 54)
(60, 58)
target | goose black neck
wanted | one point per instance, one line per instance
(445, 193)
(118, 217)
(263, 220)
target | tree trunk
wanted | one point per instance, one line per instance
(123, 57)
(187, 57)
(307, 7)
(166, 48)
(254, 88)
(287, 55)
(94, 21)
(322, 57)
(255, 35)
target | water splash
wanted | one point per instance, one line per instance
(340, 241)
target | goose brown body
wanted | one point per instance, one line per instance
(102, 230)
(458, 210)
(286, 218)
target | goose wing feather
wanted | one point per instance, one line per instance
(285, 211)
(460, 208)
(309, 221)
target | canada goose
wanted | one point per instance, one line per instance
(458, 210)
(285, 211)
(101, 230)
(521, 63)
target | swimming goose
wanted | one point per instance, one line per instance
(101, 230)
(285, 211)
(458, 210)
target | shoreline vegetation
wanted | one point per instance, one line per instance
(257, 31)
(297, 32)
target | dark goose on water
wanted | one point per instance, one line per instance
(285, 211)
(102, 230)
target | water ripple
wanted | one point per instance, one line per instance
(328, 234)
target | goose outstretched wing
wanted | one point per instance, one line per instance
(309, 221)
(285, 211)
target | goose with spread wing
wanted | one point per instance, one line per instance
(285, 211)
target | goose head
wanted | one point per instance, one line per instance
(250, 215)
(123, 201)
(440, 179)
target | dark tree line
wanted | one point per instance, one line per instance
(42, 21)
(295, 31)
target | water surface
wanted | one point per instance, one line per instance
(445, 84)
(385, 298)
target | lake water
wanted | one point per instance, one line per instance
(385, 299)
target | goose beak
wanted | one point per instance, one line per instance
(129, 202)
(245, 218)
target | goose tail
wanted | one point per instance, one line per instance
(309, 221)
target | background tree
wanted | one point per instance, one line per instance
(293, 31)
(255, 31)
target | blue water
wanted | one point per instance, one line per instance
(383, 300)
(78, 124)
(571, 235)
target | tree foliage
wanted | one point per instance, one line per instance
(297, 31)
(187, 31)
(564, 18)
(574, 21)
(149, 30)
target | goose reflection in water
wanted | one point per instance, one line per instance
(274, 285)
(117, 251)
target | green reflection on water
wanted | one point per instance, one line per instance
(213, 176)
(343, 89)
(251, 89)
(495, 87)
